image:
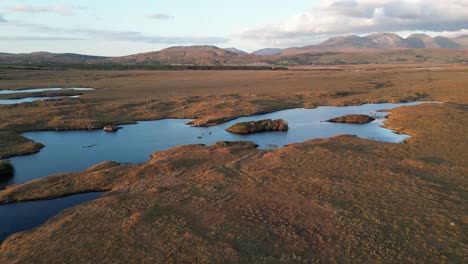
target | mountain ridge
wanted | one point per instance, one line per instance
(212, 55)
(380, 42)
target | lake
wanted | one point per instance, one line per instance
(38, 90)
(39, 98)
(19, 217)
(77, 150)
(32, 99)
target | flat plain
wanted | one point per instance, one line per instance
(337, 199)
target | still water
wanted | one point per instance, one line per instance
(38, 90)
(78, 150)
(19, 217)
(40, 98)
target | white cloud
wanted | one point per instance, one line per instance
(159, 16)
(60, 9)
(2, 19)
(335, 17)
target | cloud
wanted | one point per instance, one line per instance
(159, 16)
(112, 35)
(2, 19)
(59, 9)
(335, 17)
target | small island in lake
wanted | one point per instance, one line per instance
(259, 126)
(352, 119)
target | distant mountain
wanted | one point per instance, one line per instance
(462, 40)
(267, 52)
(188, 55)
(352, 49)
(421, 41)
(236, 51)
(380, 42)
(47, 57)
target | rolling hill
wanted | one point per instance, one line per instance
(47, 57)
(373, 48)
(187, 55)
(380, 42)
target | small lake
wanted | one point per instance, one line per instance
(19, 217)
(32, 99)
(38, 98)
(77, 150)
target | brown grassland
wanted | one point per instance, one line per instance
(337, 200)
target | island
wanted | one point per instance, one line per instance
(352, 119)
(258, 126)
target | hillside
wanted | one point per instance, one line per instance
(47, 57)
(377, 48)
(380, 42)
(236, 51)
(187, 55)
(267, 52)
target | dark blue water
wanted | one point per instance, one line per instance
(33, 99)
(67, 151)
(43, 90)
(78, 150)
(19, 217)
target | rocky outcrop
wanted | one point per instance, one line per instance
(6, 170)
(352, 119)
(259, 126)
(111, 128)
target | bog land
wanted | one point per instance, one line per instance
(337, 199)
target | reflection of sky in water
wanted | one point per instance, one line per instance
(65, 151)
(32, 99)
(43, 90)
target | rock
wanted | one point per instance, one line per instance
(259, 126)
(6, 170)
(352, 119)
(111, 128)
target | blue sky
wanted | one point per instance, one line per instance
(122, 27)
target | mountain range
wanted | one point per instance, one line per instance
(336, 49)
(381, 42)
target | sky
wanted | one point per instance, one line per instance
(122, 27)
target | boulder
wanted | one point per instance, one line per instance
(111, 128)
(259, 126)
(352, 119)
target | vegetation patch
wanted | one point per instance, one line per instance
(259, 126)
(352, 119)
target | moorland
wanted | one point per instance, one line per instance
(341, 199)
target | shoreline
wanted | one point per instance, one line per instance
(193, 122)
